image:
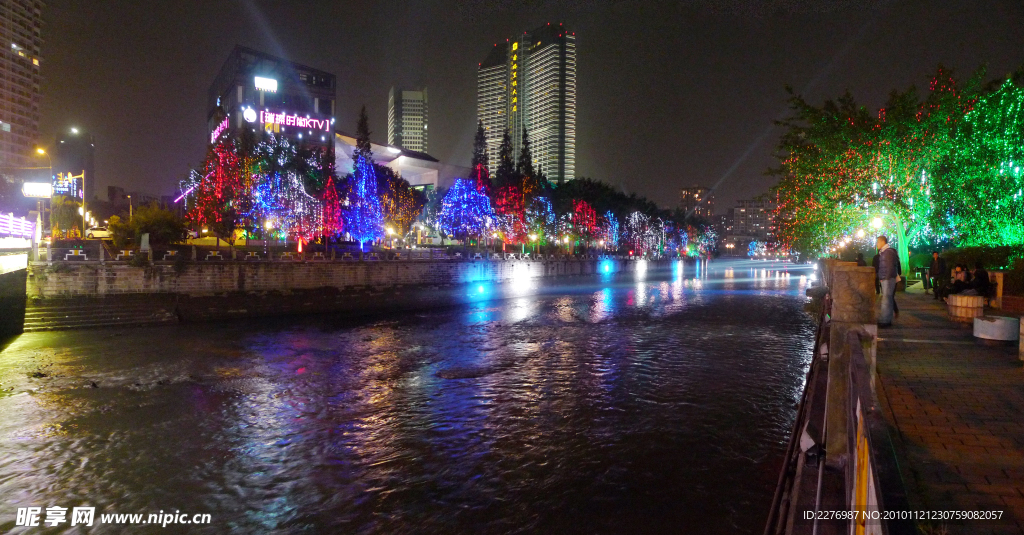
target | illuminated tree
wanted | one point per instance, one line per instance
(843, 168)
(364, 220)
(400, 203)
(481, 174)
(981, 187)
(465, 211)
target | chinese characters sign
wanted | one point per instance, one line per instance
(284, 119)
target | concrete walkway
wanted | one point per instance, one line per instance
(958, 406)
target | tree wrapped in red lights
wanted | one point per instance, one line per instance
(843, 168)
(584, 221)
(212, 195)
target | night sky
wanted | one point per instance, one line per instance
(669, 94)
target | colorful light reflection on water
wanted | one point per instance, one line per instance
(654, 402)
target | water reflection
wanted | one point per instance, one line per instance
(622, 403)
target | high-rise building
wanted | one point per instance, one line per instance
(21, 22)
(263, 92)
(698, 201)
(755, 218)
(407, 119)
(74, 153)
(529, 82)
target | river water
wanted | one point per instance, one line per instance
(655, 402)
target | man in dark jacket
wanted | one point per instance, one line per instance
(938, 273)
(888, 275)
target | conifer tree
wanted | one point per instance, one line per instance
(481, 172)
(506, 169)
(363, 137)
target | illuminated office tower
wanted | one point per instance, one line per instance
(530, 82)
(407, 119)
(20, 27)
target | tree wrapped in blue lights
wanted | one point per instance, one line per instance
(465, 210)
(364, 220)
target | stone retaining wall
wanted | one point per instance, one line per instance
(93, 279)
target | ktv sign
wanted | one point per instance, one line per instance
(268, 117)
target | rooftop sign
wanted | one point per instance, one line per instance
(266, 84)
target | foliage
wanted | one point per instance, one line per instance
(465, 211)
(163, 226)
(400, 203)
(64, 217)
(364, 220)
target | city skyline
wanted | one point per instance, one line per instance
(659, 101)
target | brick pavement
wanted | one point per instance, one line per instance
(958, 406)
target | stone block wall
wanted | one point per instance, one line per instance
(93, 279)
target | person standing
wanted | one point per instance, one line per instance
(938, 272)
(888, 276)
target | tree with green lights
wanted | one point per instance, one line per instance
(981, 186)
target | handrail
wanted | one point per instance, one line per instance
(873, 458)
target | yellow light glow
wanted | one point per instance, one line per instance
(876, 223)
(41, 150)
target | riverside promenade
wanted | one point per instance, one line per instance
(957, 405)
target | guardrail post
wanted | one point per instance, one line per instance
(853, 309)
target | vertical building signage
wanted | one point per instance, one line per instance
(68, 185)
(514, 77)
(219, 130)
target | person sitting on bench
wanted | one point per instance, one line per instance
(979, 283)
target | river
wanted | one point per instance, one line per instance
(655, 402)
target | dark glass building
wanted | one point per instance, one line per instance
(262, 92)
(75, 153)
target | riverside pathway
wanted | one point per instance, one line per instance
(958, 407)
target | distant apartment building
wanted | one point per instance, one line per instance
(755, 218)
(529, 83)
(698, 201)
(21, 23)
(407, 119)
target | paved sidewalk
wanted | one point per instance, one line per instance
(958, 405)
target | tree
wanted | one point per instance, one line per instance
(841, 168)
(505, 174)
(64, 217)
(524, 165)
(400, 203)
(465, 211)
(364, 220)
(363, 147)
(163, 226)
(979, 193)
(481, 173)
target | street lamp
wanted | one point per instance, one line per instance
(129, 207)
(876, 223)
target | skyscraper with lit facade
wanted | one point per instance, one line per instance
(529, 82)
(407, 119)
(20, 28)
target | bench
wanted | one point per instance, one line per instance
(374, 257)
(478, 256)
(214, 256)
(288, 256)
(495, 256)
(252, 255)
(319, 256)
(347, 256)
(76, 254)
(171, 255)
(125, 254)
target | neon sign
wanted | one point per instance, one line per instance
(68, 185)
(219, 130)
(283, 119)
(266, 84)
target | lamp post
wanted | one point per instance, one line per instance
(129, 207)
(49, 163)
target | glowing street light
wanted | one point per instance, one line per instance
(876, 223)
(860, 233)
